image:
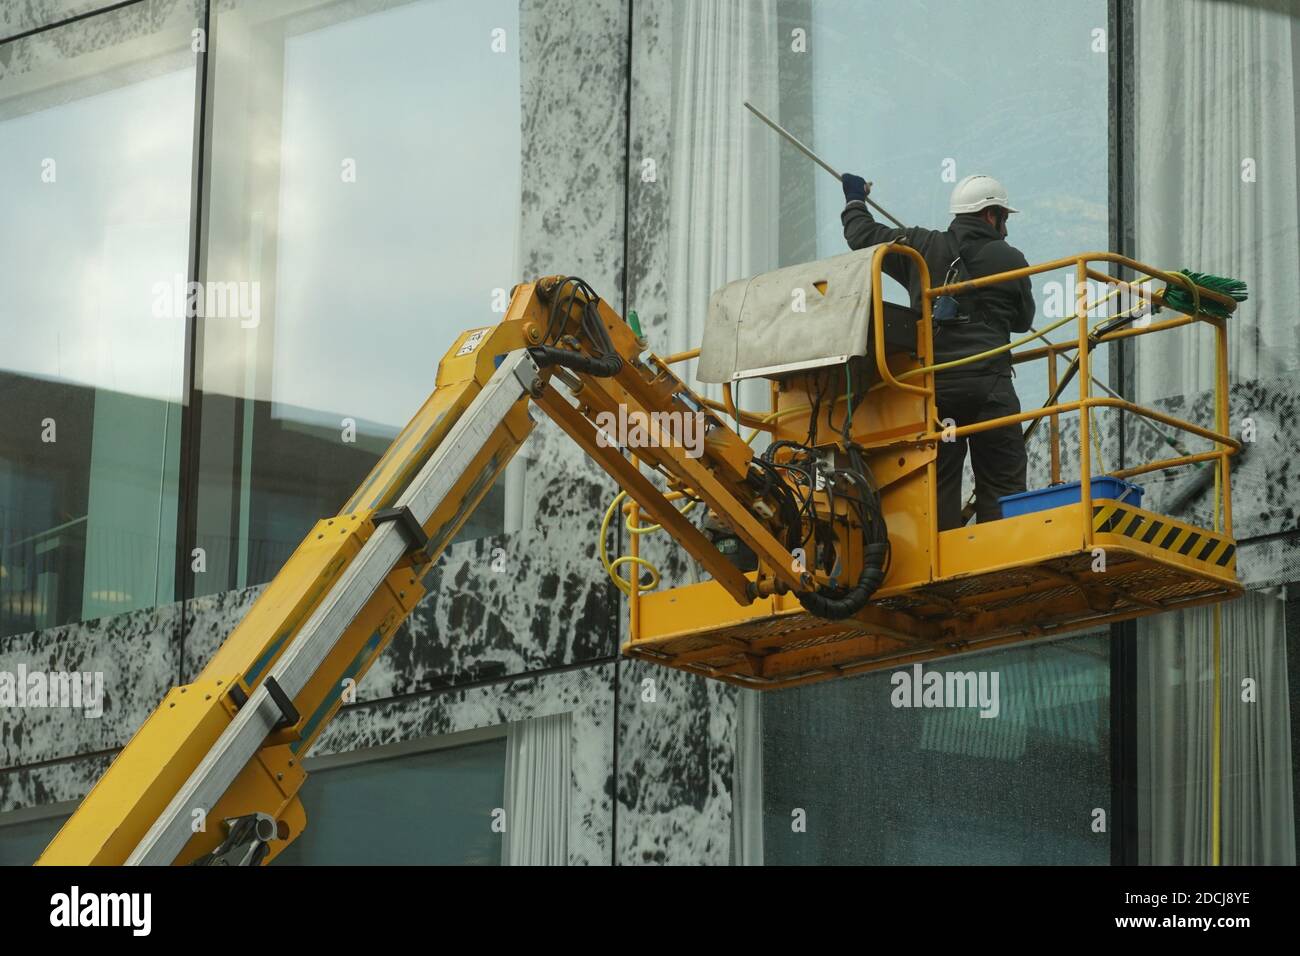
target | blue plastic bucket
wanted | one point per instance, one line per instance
(1044, 499)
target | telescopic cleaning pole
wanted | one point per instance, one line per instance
(793, 141)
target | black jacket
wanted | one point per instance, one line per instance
(996, 311)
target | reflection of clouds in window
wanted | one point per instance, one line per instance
(80, 309)
(1011, 88)
(376, 277)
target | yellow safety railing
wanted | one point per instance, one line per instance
(1224, 446)
(1082, 346)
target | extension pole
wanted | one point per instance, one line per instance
(794, 141)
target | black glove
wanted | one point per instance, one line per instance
(855, 187)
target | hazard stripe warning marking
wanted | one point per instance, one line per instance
(1111, 518)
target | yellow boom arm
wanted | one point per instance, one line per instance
(213, 775)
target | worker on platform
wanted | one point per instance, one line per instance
(973, 245)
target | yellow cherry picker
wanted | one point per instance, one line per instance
(821, 552)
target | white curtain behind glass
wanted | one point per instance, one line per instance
(724, 218)
(747, 781)
(1215, 90)
(1216, 191)
(538, 786)
(1175, 736)
(724, 213)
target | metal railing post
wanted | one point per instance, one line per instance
(1085, 422)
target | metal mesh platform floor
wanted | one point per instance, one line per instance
(947, 617)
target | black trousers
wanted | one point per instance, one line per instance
(997, 456)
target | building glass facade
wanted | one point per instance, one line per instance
(352, 183)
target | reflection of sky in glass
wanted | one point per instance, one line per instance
(377, 277)
(79, 257)
(1011, 88)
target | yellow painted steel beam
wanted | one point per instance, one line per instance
(141, 781)
(646, 494)
(716, 478)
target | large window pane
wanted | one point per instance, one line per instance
(915, 98)
(882, 783)
(95, 158)
(1217, 190)
(431, 808)
(1181, 784)
(365, 194)
(24, 839)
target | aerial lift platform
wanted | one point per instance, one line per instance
(983, 585)
(822, 551)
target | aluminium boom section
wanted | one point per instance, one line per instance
(248, 731)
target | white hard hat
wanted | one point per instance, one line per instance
(978, 192)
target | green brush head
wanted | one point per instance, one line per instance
(1180, 299)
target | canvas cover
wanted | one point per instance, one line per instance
(755, 326)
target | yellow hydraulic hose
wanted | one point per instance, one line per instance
(627, 584)
(979, 356)
(623, 584)
(648, 528)
(792, 410)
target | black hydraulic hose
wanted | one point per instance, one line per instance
(769, 453)
(774, 484)
(599, 366)
(838, 603)
(604, 365)
(836, 608)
